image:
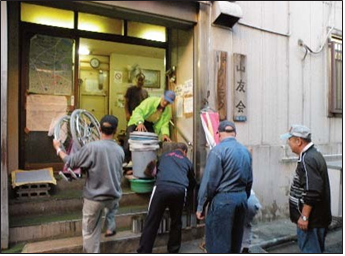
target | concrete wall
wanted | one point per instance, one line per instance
(282, 88)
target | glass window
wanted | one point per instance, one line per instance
(51, 65)
(96, 23)
(336, 75)
(47, 15)
(146, 31)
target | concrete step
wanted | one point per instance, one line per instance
(36, 228)
(66, 202)
(123, 242)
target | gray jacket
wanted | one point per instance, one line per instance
(102, 160)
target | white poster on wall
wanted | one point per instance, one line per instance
(118, 77)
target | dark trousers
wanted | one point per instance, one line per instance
(312, 240)
(164, 196)
(131, 128)
(225, 221)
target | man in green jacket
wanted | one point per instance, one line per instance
(152, 115)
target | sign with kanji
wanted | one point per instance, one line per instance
(221, 67)
(240, 86)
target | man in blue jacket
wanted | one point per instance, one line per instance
(175, 175)
(310, 200)
(226, 184)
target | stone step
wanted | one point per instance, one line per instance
(37, 228)
(51, 227)
(123, 242)
(66, 202)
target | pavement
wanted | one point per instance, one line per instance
(278, 236)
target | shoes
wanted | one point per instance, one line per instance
(245, 250)
(112, 233)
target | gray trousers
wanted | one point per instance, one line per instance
(253, 207)
(92, 223)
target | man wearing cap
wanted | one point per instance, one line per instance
(102, 160)
(152, 115)
(175, 176)
(135, 95)
(226, 184)
(309, 202)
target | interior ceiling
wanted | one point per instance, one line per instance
(105, 48)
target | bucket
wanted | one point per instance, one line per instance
(144, 146)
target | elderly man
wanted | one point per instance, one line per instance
(310, 203)
(226, 185)
(102, 160)
(152, 115)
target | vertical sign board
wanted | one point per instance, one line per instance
(240, 86)
(221, 68)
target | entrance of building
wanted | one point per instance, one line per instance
(109, 70)
(57, 75)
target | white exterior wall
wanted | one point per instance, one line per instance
(281, 88)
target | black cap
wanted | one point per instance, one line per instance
(224, 126)
(109, 124)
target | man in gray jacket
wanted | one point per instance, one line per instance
(102, 161)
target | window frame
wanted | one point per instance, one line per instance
(333, 82)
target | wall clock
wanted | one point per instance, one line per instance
(94, 63)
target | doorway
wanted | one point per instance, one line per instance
(109, 69)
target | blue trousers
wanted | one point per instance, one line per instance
(225, 221)
(312, 240)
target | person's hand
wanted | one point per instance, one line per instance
(200, 215)
(56, 144)
(166, 138)
(141, 128)
(303, 224)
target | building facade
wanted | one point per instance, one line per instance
(265, 65)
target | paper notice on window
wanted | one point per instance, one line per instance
(42, 109)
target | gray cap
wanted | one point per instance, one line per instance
(223, 124)
(297, 130)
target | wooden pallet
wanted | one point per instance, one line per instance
(32, 191)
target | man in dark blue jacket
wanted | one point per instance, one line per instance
(225, 185)
(310, 200)
(175, 175)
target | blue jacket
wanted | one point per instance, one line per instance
(228, 169)
(175, 168)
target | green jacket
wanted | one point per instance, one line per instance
(146, 108)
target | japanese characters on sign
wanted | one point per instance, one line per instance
(240, 86)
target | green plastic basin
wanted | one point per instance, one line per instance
(142, 185)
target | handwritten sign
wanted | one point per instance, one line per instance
(240, 86)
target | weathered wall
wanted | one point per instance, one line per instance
(282, 89)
